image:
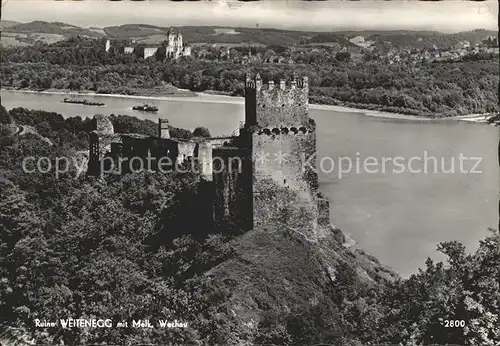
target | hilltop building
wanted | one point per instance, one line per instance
(172, 48)
(271, 147)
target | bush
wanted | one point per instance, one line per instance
(201, 132)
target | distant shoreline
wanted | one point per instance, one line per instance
(218, 98)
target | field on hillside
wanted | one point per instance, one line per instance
(398, 39)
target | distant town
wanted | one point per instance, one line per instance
(138, 208)
(405, 72)
(358, 50)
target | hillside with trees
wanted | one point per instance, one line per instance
(434, 89)
(400, 39)
(67, 30)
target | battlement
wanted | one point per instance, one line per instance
(257, 84)
(284, 131)
(285, 104)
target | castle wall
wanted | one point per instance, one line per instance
(100, 145)
(280, 105)
(185, 150)
(94, 157)
(219, 141)
(282, 156)
(282, 141)
(133, 146)
(278, 206)
(232, 184)
(100, 140)
(163, 128)
(150, 51)
(163, 148)
(204, 156)
(102, 124)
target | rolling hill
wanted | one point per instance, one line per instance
(7, 23)
(398, 39)
(19, 34)
(51, 28)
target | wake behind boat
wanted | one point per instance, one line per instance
(145, 108)
(83, 102)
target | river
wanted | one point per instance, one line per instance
(399, 217)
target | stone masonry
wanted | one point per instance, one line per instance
(276, 139)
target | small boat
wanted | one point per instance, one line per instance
(145, 108)
(83, 102)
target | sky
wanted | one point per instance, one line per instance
(444, 16)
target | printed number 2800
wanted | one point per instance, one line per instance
(454, 323)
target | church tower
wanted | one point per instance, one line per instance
(171, 37)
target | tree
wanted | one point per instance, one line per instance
(201, 132)
(467, 288)
(343, 56)
(5, 117)
(74, 85)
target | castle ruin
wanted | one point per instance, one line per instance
(272, 144)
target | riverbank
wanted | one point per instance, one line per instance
(209, 97)
(152, 93)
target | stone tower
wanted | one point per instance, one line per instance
(100, 142)
(179, 40)
(171, 37)
(163, 128)
(280, 137)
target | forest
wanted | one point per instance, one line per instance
(439, 89)
(125, 247)
(266, 36)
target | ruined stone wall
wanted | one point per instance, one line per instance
(99, 146)
(100, 140)
(232, 184)
(150, 51)
(203, 153)
(163, 128)
(277, 207)
(165, 152)
(132, 147)
(220, 141)
(94, 157)
(102, 124)
(282, 156)
(185, 150)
